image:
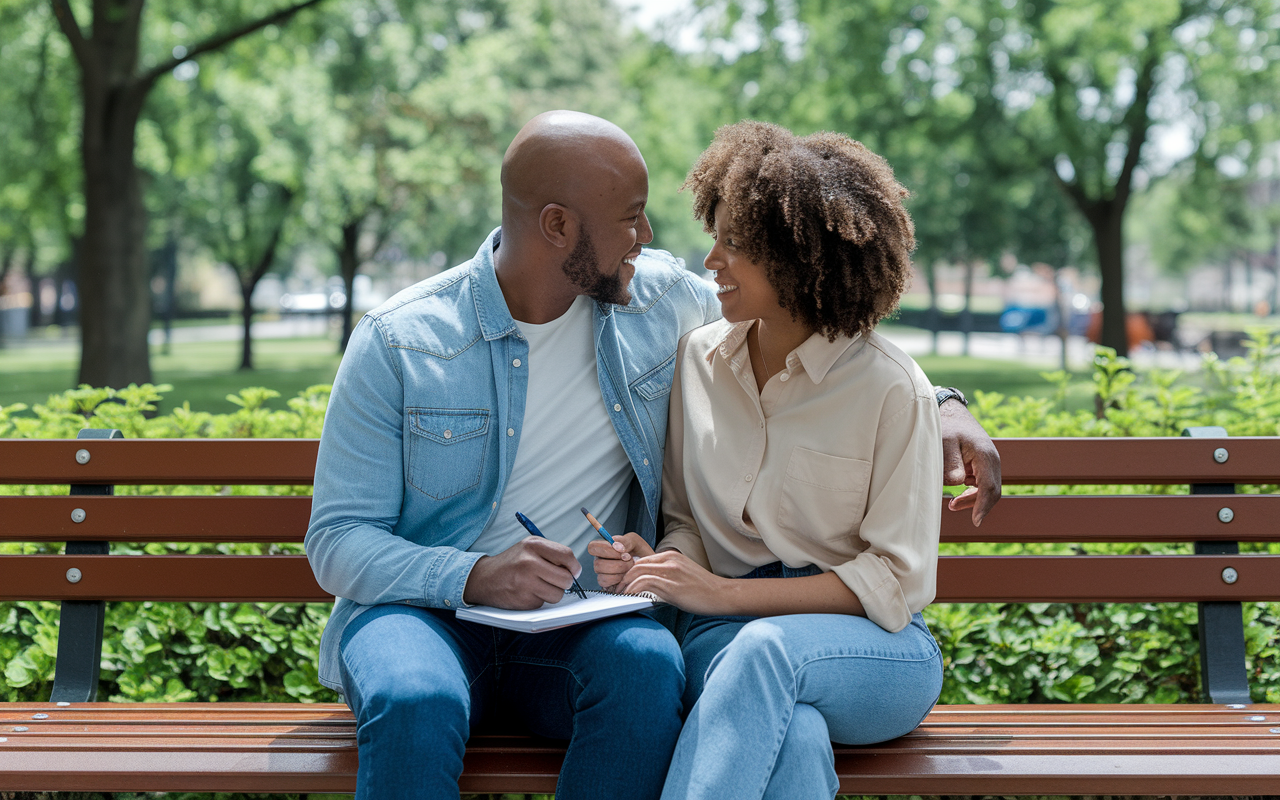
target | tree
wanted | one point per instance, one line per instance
(1085, 86)
(114, 282)
(39, 173)
(1069, 91)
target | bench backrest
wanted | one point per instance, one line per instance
(1212, 517)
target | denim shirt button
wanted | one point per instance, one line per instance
(617, 406)
(448, 602)
(515, 363)
(511, 431)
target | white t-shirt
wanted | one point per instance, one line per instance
(569, 455)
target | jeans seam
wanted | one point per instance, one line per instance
(546, 662)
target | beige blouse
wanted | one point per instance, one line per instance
(836, 463)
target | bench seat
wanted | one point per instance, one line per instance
(1228, 746)
(994, 749)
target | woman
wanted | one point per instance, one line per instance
(803, 453)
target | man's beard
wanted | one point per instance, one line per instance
(582, 268)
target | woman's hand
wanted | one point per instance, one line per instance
(612, 561)
(678, 580)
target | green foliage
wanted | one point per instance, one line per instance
(172, 651)
(1112, 653)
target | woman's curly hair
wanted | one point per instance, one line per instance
(821, 213)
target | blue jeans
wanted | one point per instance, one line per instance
(769, 694)
(419, 680)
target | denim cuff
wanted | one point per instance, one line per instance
(447, 579)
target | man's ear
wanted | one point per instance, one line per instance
(558, 224)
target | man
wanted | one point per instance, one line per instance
(533, 378)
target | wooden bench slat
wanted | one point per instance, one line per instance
(160, 462)
(1106, 579)
(1120, 518)
(1137, 518)
(155, 519)
(1101, 773)
(961, 579)
(292, 461)
(1160, 460)
(1032, 756)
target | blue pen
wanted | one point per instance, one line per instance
(595, 523)
(529, 526)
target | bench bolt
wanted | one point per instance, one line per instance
(46, 716)
(73, 575)
(20, 729)
(63, 703)
(1257, 719)
(1226, 515)
(1273, 730)
(1235, 705)
(1229, 575)
(78, 515)
(82, 457)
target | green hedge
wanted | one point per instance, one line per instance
(994, 652)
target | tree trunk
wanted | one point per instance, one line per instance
(934, 317)
(114, 284)
(966, 313)
(115, 295)
(1106, 217)
(349, 264)
(246, 314)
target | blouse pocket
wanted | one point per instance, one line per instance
(823, 496)
(446, 449)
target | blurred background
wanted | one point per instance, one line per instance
(208, 194)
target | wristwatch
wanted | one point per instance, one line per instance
(945, 393)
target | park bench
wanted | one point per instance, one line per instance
(1226, 746)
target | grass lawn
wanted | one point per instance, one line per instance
(1013, 378)
(202, 373)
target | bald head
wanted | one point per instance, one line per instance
(574, 190)
(563, 157)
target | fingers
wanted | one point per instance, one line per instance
(604, 550)
(965, 499)
(985, 466)
(554, 553)
(634, 544)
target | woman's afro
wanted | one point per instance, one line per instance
(822, 214)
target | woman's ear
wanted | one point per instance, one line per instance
(558, 224)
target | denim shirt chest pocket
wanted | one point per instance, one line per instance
(653, 389)
(446, 449)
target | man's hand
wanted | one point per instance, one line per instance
(678, 580)
(613, 560)
(527, 574)
(969, 457)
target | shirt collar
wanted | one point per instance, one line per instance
(491, 307)
(816, 354)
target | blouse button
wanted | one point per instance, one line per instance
(783, 377)
(747, 478)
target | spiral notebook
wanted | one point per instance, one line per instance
(569, 611)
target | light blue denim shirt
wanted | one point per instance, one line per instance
(425, 417)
